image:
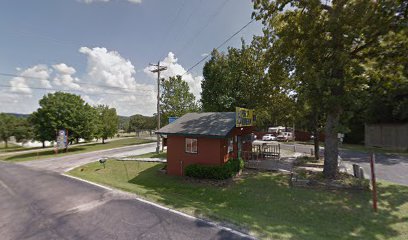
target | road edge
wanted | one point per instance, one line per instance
(136, 197)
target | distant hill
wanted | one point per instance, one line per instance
(19, 115)
(123, 122)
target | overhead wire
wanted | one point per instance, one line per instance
(219, 46)
(72, 90)
(79, 83)
(209, 20)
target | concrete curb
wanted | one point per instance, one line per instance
(214, 224)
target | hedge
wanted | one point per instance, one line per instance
(227, 170)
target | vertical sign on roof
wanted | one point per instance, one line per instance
(244, 117)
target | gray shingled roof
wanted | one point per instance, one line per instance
(215, 124)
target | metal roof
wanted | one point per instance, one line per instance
(213, 124)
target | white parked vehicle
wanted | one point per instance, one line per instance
(285, 136)
(268, 137)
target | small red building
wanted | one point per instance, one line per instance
(209, 138)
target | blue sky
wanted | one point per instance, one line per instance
(117, 38)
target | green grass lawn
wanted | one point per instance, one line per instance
(264, 204)
(362, 148)
(11, 147)
(162, 155)
(73, 150)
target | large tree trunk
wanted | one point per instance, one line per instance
(316, 143)
(6, 143)
(331, 150)
(316, 135)
(103, 140)
(43, 144)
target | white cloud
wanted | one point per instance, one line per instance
(135, 1)
(204, 54)
(64, 77)
(109, 79)
(64, 69)
(110, 68)
(19, 85)
(36, 76)
(173, 69)
(92, 1)
(95, 1)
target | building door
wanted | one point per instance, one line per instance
(239, 143)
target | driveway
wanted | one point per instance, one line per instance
(66, 163)
(40, 204)
(389, 167)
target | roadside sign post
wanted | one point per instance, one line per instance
(372, 164)
(62, 140)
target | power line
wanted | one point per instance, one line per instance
(219, 46)
(187, 21)
(211, 18)
(79, 83)
(72, 90)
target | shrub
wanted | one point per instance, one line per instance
(227, 170)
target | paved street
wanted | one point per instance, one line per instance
(51, 148)
(63, 164)
(390, 167)
(40, 204)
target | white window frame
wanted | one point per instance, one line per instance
(190, 149)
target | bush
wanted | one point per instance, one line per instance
(227, 170)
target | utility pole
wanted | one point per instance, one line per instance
(158, 69)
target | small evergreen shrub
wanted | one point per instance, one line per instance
(225, 171)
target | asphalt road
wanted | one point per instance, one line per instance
(389, 167)
(64, 164)
(50, 148)
(41, 204)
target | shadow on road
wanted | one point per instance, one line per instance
(266, 204)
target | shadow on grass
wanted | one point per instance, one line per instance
(264, 203)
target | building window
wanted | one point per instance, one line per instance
(191, 145)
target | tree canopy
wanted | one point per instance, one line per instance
(239, 78)
(326, 48)
(176, 99)
(12, 126)
(108, 122)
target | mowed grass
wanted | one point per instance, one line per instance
(73, 150)
(11, 147)
(162, 155)
(362, 148)
(264, 204)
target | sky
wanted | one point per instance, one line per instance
(101, 49)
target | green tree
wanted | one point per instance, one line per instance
(324, 47)
(6, 127)
(64, 111)
(107, 122)
(176, 99)
(22, 130)
(12, 126)
(239, 78)
(41, 130)
(140, 122)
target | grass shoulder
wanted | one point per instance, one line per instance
(264, 203)
(38, 155)
(161, 155)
